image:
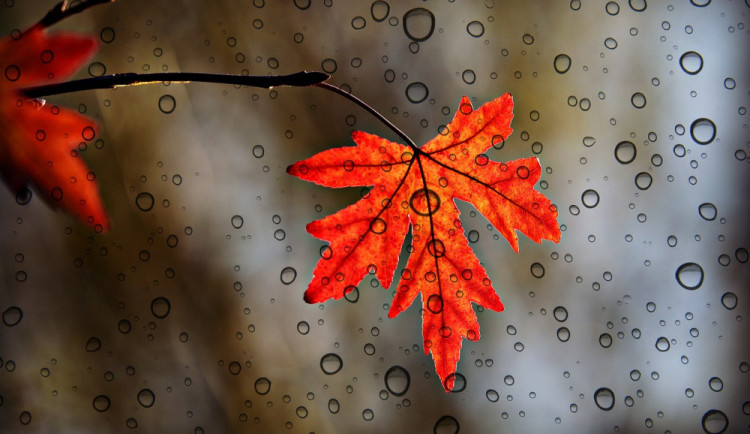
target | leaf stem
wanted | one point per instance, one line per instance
(372, 111)
(302, 78)
(62, 10)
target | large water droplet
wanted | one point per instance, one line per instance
(102, 403)
(397, 380)
(590, 198)
(689, 275)
(160, 307)
(703, 131)
(12, 316)
(562, 63)
(604, 398)
(475, 29)
(379, 10)
(643, 180)
(729, 300)
(333, 406)
(662, 344)
(419, 23)
(537, 270)
(714, 422)
(144, 201)
(262, 386)
(237, 221)
(560, 313)
(417, 92)
(331, 363)
(146, 398)
(691, 62)
(167, 104)
(288, 275)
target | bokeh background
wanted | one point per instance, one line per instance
(188, 316)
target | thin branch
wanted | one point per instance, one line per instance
(372, 111)
(302, 78)
(62, 10)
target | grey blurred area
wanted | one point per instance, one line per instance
(188, 315)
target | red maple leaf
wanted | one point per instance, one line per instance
(38, 141)
(417, 187)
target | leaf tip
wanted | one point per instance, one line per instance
(308, 297)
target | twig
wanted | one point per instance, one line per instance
(302, 78)
(61, 11)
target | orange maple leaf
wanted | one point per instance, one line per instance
(417, 187)
(38, 141)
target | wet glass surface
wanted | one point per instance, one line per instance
(188, 316)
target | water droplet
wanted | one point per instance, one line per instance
(329, 65)
(12, 316)
(446, 425)
(144, 201)
(527, 39)
(604, 398)
(703, 131)
(288, 274)
(167, 104)
(625, 152)
(468, 76)
(302, 4)
(590, 198)
(419, 23)
(637, 5)
(560, 313)
(689, 275)
(417, 92)
(715, 384)
(605, 340)
(146, 398)
(237, 221)
(643, 180)
(397, 380)
(662, 344)
(691, 62)
(612, 8)
(160, 307)
(333, 406)
(610, 43)
(24, 418)
(97, 69)
(303, 327)
(93, 344)
(262, 386)
(563, 334)
(379, 10)
(714, 421)
(562, 63)
(638, 100)
(331, 363)
(107, 34)
(102, 403)
(537, 270)
(359, 23)
(729, 300)
(424, 202)
(492, 395)
(475, 29)
(707, 211)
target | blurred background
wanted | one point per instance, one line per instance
(188, 316)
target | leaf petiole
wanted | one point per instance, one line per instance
(372, 111)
